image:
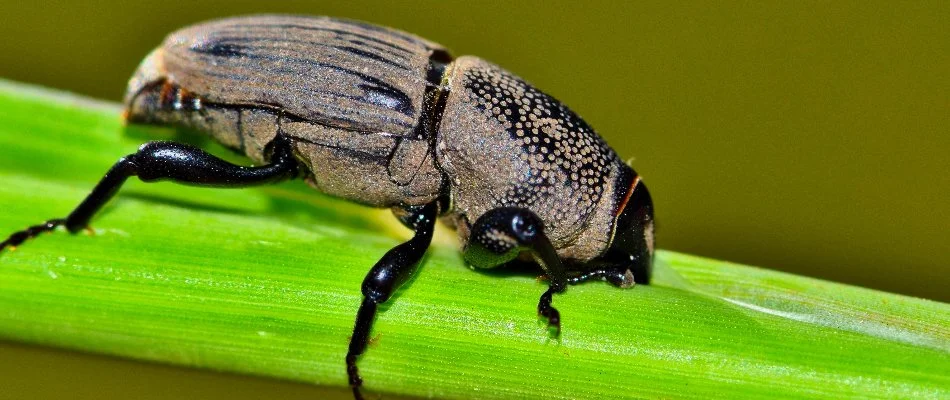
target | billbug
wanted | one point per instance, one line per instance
(388, 119)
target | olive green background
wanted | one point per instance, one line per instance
(810, 137)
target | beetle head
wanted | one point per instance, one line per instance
(632, 241)
(501, 234)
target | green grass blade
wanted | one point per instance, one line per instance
(266, 282)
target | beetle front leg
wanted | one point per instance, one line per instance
(156, 161)
(501, 234)
(389, 273)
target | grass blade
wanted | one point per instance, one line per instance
(266, 282)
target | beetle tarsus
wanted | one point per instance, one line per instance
(18, 237)
(358, 342)
(356, 393)
(354, 374)
(546, 310)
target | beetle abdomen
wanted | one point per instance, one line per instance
(503, 143)
(352, 97)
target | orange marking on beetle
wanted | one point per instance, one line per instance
(167, 94)
(626, 198)
(623, 205)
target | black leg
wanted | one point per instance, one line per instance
(616, 266)
(502, 234)
(618, 276)
(177, 162)
(389, 273)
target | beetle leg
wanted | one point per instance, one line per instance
(621, 277)
(156, 161)
(615, 266)
(389, 273)
(501, 234)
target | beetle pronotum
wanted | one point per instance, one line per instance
(388, 119)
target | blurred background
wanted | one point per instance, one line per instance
(808, 137)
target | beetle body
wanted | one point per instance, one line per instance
(388, 119)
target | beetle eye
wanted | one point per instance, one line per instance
(633, 234)
(518, 225)
(525, 227)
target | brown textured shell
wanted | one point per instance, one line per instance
(334, 72)
(350, 96)
(503, 143)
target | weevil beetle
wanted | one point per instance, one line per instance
(388, 119)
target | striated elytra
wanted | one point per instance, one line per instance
(388, 119)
